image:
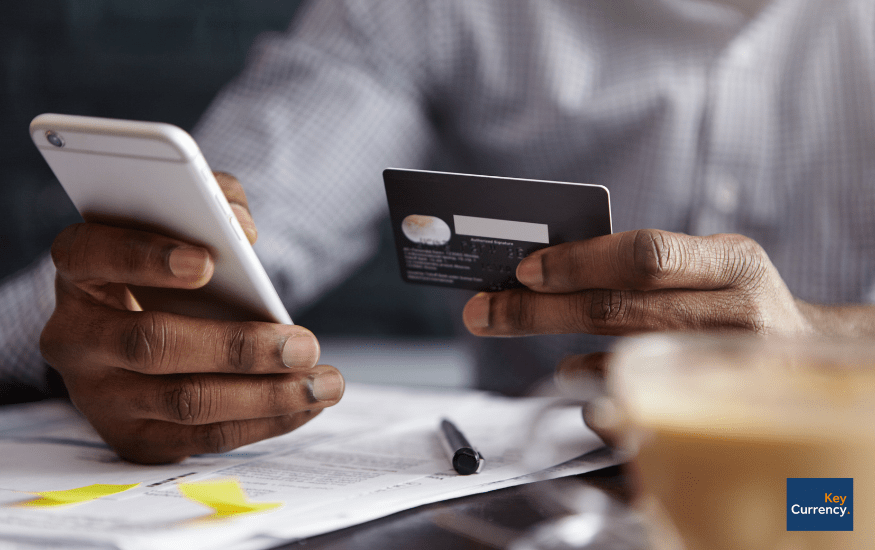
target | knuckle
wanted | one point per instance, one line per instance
(607, 310)
(239, 345)
(147, 343)
(746, 261)
(652, 257)
(142, 254)
(519, 311)
(220, 437)
(276, 394)
(67, 249)
(186, 400)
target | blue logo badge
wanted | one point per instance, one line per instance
(820, 504)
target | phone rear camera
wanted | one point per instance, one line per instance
(54, 139)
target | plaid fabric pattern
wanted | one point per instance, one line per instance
(27, 299)
(701, 116)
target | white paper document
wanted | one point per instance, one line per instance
(374, 454)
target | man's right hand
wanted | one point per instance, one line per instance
(159, 387)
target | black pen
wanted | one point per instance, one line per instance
(465, 459)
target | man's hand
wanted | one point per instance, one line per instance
(639, 281)
(159, 387)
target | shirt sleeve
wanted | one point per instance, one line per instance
(27, 300)
(309, 126)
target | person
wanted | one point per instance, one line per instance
(738, 130)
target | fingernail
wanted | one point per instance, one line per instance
(601, 414)
(477, 311)
(301, 350)
(530, 271)
(562, 375)
(188, 262)
(326, 386)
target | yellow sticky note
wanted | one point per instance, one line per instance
(76, 496)
(226, 497)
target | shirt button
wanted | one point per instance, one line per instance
(724, 193)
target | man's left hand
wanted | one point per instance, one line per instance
(642, 281)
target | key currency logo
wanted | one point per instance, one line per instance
(820, 504)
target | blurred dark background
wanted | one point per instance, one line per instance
(160, 60)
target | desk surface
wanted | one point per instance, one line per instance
(490, 520)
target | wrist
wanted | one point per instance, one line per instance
(848, 320)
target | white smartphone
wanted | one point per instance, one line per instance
(152, 176)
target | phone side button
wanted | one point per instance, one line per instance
(206, 174)
(223, 205)
(235, 225)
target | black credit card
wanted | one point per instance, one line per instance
(470, 232)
